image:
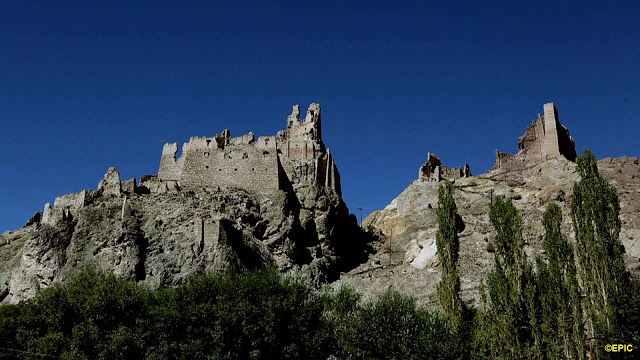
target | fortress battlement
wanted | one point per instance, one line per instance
(296, 154)
(544, 139)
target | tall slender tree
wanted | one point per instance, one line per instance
(512, 298)
(448, 246)
(595, 209)
(561, 309)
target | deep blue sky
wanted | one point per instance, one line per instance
(88, 85)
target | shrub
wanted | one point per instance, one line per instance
(392, 327)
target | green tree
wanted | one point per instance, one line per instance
(512, 328)
(9, 345)
(448, 246)
(254, 315)
(393, 327)
(595, 210)
(561, 309)
(94, 316)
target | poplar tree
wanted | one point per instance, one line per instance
(448, 246)
(561, 310)
(512, 291)
(595, 209)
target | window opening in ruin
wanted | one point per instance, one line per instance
(179, 152)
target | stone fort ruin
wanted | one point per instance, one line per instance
(433, 170)
(262, 165)
(544, 139)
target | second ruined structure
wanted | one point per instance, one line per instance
(433, 170)
(261, 165)
(544, 139)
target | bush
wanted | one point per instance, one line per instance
(94, 316)
(392, 327)
(257, 315)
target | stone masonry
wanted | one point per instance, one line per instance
(433, 170)
(261, 166)
(544, 139)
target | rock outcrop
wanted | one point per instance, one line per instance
(166, 229)
(406, 257)
(190, 219)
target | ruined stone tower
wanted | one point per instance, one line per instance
(293, 156)
(544, 139)
(433, 170)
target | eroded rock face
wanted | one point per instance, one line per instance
(39, 266)
(161, 236)
(408, 224)
(227, 203)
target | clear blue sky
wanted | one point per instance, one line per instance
(88, 85)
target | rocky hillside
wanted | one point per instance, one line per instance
(405, 257)
(240, 203)
(160, 235)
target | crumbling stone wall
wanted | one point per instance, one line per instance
(544, 139)
(223, 161)
(269, 163)
(170, 167)
(129, 186)
(433, 170)
(73, 200)
(240, 162)
(303, 155)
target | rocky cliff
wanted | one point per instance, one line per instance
(187, 221)
(541, 172)
(225, 204)
(405, 257)
(161, 235)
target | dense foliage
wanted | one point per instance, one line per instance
(573, 302)
(255, 315)
(567, 304)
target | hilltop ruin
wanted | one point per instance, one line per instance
(219, 207)
(262, 166)
(433, 170)
(225, 204)
(544, 139)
